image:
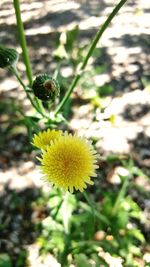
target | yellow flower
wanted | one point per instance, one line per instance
(69, 162)
(43, 139)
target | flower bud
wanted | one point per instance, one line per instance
(8, 57)
(45, 87)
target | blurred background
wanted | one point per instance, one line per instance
(110, 106)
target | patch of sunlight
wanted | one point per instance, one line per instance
(101, 79)
(33, 5)
(34, 258)
(8, 84)
(66, 72)
(59, 6)
(91, 22)
(43, 29)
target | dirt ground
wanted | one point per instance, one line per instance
(125, 47)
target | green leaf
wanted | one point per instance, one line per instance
(122, 219)
(8, 57)
(5, 260)
(72, 37)
(137, 234)
(68, 206)
(51, 225)
(60, 52)
(82, 260)
(105, 90)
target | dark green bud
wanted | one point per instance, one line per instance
(45, 87)
(8, 57)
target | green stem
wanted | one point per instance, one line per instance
(121, 194)
(57, 209)
(22, 40)
(65, 252)
(94, 211)
(15, 72)
(40, 106)
(90, 202)
(67, 237)
(88, 243)
(25, 55)
(89, 53)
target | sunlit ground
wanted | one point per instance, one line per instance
(119, 121)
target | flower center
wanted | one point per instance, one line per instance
(49, 86)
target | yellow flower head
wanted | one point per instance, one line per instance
(43, 139)
(69, 162)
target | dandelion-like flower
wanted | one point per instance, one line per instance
(69, 162)
(43, 139)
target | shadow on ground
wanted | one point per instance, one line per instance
(17, 222)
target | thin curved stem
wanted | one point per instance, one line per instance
(22, 40)
(121, 194)
(89, 53)
(94, 210)
(15, 72)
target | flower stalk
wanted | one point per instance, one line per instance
(89, 53)
(35, 103)
(22, 40)
(26, 88)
